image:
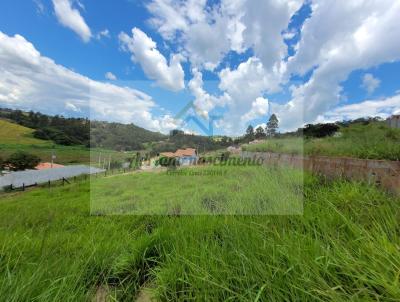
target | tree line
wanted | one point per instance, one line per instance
(271, 130)
(81, 131)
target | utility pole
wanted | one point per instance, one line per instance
(53, 157)
(100, 160)
(109, 162)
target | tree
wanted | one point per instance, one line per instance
(22, 160)
(176, 132)
(1, 163)
(272, 125)
(17, 116)
(260, 132)
(320, 130)
(250, 132)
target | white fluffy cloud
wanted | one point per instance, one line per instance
(259, 108)
(366, 36)
(369, 108)
(264, 23)
(154, 64)
(103, 34)
(71, 18)
(204, 102)
(245, 87)
(31, 81)
(110, 76)
(209, 32)
(71, 107)
(206, 33)
(370, 83)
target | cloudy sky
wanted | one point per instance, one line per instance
(237, 61)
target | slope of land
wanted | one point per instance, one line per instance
(81, 131)
(373, 141)
(12, 133)
(14, 137)
(344, 247)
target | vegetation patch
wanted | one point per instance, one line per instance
(374, 140)
(344, 246)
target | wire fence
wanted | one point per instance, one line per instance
(34, 177)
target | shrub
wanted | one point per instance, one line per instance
(56, 135)
(22, 160)
(116, 164)
(320, 130)
(225, 156)
(167, 162)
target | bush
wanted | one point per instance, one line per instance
(56, 136)
(22, 160)
(116, 164)
(167, 162)
(320, 130)
(225, 156)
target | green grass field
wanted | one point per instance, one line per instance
(373, 141)
(14, 137)
(243, 190)
(344, 248)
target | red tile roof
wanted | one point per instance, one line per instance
(44, 166)
(180, 153)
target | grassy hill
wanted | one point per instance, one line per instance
(344, 247)
(12, 133)
(14, 137)
(373, 141)
(83, 132)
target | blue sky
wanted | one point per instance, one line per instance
(242, 60)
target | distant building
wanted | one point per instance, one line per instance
(234, 149)
(256, 141)
(394, 121)
(185, 157)
(45, 166)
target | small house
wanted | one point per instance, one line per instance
(234, 149)
(185, 157)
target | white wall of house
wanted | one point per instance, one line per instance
(188, 160)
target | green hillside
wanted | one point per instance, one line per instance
(371, 141)
(12, 133)
(14, 137)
